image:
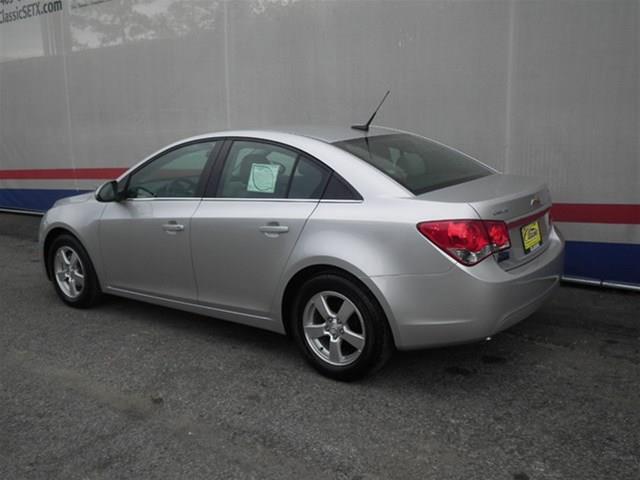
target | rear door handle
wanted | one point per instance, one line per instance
(172, 227)
(274, 229)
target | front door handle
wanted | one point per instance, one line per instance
(274, 229)
(173, 227)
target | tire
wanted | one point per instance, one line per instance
(340, 327)
(72, 273)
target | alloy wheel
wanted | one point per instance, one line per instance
(69, 272)
(333, 328)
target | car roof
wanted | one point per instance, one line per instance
(332, 133)
(323, 133)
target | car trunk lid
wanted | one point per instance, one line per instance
(522, 202)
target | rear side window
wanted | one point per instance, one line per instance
(256, 169)
(309, 179)
(418, 164)
(338, 189)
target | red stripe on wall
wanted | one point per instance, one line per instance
(627, 214)
(596, 213)
(63, 174)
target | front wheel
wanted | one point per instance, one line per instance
(72, 272)
(340, 328)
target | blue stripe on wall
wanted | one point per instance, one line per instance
(32, 199)
(619, 262)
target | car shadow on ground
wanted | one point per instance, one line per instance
(436, 365)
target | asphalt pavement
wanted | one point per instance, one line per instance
(129, 390)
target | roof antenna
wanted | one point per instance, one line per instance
(365, 127)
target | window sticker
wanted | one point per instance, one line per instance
(263, 178)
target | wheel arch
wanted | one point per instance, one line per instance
(50, 236)
(305, 273)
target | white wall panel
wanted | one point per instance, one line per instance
(574, 98)
(34, 131)
(542, 87)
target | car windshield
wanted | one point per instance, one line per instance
(416, 163)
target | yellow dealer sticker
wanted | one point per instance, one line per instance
(531, 238)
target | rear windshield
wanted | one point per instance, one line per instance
(416, 163)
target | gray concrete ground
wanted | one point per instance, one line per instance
(128, 390)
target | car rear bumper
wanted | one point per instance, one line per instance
(467, 304)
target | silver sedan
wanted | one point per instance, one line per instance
(352, 242)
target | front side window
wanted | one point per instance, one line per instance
(264, 170)
(417, 164)
(175, 174)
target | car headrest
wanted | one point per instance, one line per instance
(253, 158)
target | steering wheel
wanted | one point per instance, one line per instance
(181, 187)
(149, 193)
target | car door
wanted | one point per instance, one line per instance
(247, 225)
(144, 239)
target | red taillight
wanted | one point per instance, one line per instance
(468, 241)
(498, 234)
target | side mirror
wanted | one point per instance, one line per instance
(108, 192)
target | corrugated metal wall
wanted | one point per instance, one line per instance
(542, 87)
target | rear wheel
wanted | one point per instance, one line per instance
(340, 328)
(72, 272)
